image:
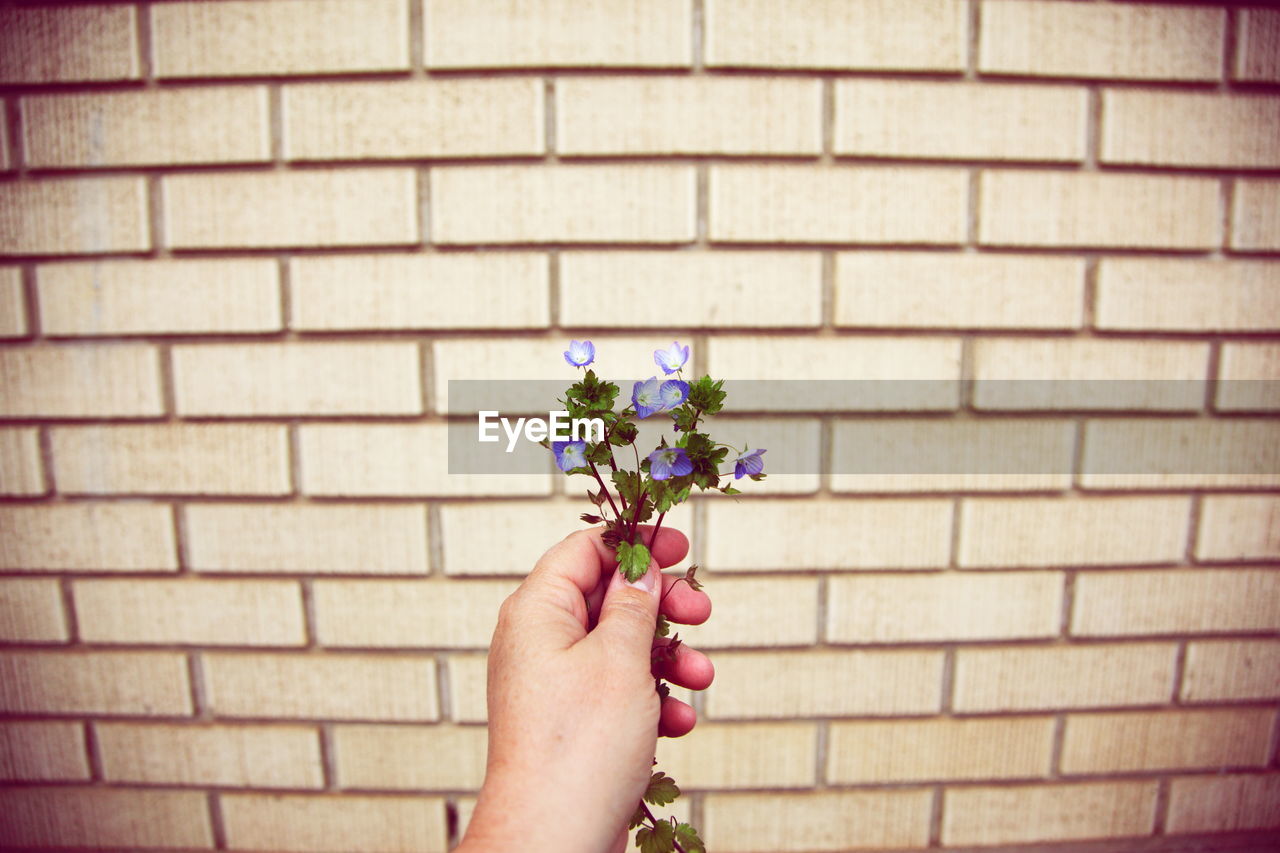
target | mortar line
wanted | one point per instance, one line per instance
(417, 38)
(31, 302)
(974, 41)
(275, 125)
(435, 540)
(699, 35)
(1058, 741)
(444, 688)
(217, 821)
(93, 751)
(146, 44)
(553, 289)
(328, 760)
(1161, 817)
(1179, 672)
(549, 117)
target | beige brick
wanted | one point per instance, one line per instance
(863, 34)
(922, 750)
(74, 216)
(172, 459)
(248, 38)
(497, 34)
(1152, 42)
(134, 683)
(1088, 373)
(328, 686)
(1176, 601)
(765, 612)
(1224, 803)
(467, 674)
(1255, 217)
(21, 469)
(311, 207)
(1051, 208)
(793, 463)
(1042, 678)
(825, 683)
(43, 751)
(630, 203)
(1005, 605)
(31, 612)
(742, 755)
(420, 291)
(413, 118)
(1248, 377)
(307, 538)
(13, 304)
(92, 537)
(417, 757)
(206, 124)
(905, 455)
(198, 612)
(790, 203)
(980, 291)
(58, 44)
(1231, 670)
(964, 121)
(1188, 296)
(866, 361)
(1180, 453)
(159, 297)
(103, 818)
(1166, 740)
(1258, 46)
(395, 460)
(839, 534)
(1054, 531)
(688, 115)
(727, 289)
(821, 820)
(233, 756)
(299, 822)
(449, 614)
(1238, 527)
(1190, 129)
(529, 528)
(1030, 813)
(80, 381)
(298, 379)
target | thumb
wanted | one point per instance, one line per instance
(630, 610)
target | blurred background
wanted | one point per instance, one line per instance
(246, 245)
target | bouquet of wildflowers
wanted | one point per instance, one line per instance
(659, 481)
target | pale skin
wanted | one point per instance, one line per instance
(573, 715)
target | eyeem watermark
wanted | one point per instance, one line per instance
(557, 426)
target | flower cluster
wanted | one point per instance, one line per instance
(659, 481)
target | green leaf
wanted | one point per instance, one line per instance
(638, 818)
(706, 394)
(628, 483)
(671, 495)
(689, 840)
(663, 628)
(730, 490)
(623, 434)
(662, 789)
(658, 839)
(633, 560)
(600, 453)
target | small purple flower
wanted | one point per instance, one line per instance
(748, 463)
(570, 454)
(580, 353)
(647, 397)
(672, 358)
(668, 461)
(672, 393)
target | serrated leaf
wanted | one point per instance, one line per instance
(662, 789)
(633, 560)
(663, 627)
(657, 839)
(637, 819)
(688, 838)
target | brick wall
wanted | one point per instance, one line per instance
(246, 244)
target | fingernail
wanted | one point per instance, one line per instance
(645, 581)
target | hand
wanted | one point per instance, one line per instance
(573, 714)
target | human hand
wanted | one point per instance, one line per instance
(573, 713)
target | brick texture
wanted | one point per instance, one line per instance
(676, 115)
(1258, 38)
(73, 216)
(34, 751)
(159, 297)
(43, 381)
(1242, 527)
(21, 468)
(1063, 677)
(830, 820)
(1223, 804)
(246, 38)
(467, 688)
(103, 818)
(1190, 129)
(409, 757)
(454, 614)
(65, 43)
(1247, 375)
(86, 537)
(1131, 453)
(231, 756)
(233, 613)
(1187, 296)
(440, 118)
(1255, 222)
(964, 121)
(1163, 740)
(1048, 813)
(759, 611)
(127, 683)
(743, 755)
(162, 127)
(1175, 601)
(923, 750)
(1153, 42)
(1227, 670)
(31, 612)
(301, 822)
(13, 304)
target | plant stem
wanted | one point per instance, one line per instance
(653, 821)
(656, 528)
(635, 517)
(604, 489)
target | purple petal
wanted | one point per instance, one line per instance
(673, 393)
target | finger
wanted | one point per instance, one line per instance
(682, 603)
(628, 614)
(568, 558)
(689, 668)
(677, 718)
(669, 549)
